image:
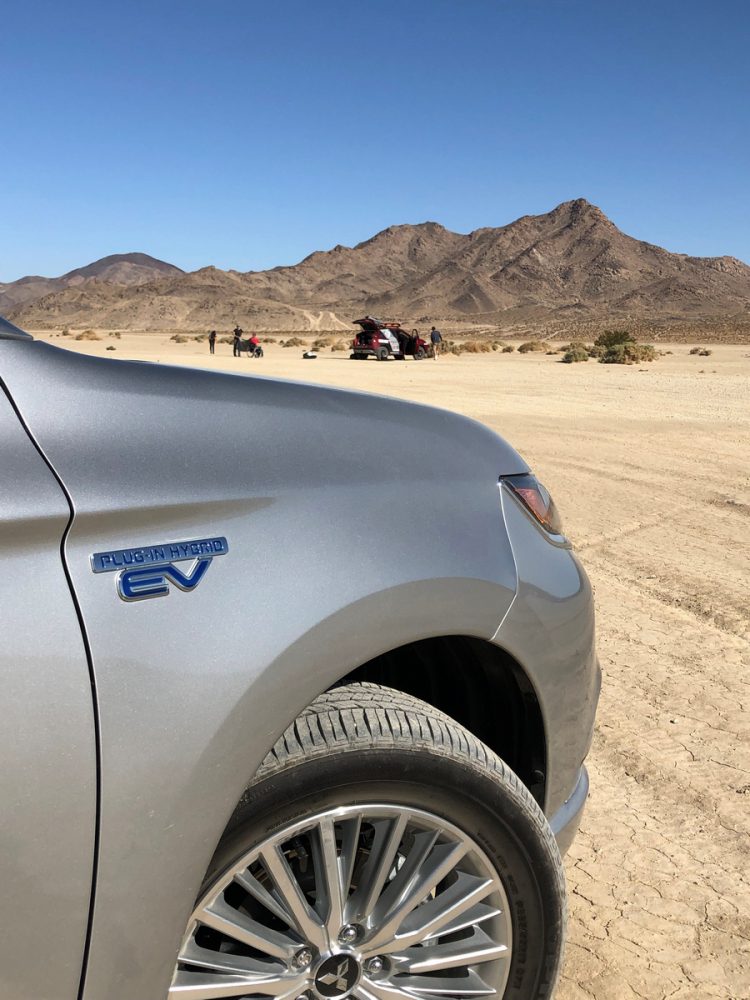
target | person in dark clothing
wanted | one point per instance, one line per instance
(414, 347)
(237, 333)
(212, 341)
(436, 339)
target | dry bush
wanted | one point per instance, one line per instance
(575, 354)
(65, 332)
(474, 347)
(88, 335)
(226, 340)
(508, 349)
(533, 345)
(695, 350)
(178, 338)
(704, 353)
(340, 345)
(111, 347)
(628, 354)
(294, 342)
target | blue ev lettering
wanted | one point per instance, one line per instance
(148, 571)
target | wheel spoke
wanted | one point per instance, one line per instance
(468, 985)
(250, 884)
(350, 830)
(476, 948)
(425, 867)
(328, 876)
(208, 986)
(379, 865)
(224, 918)
(449, 911)
(307, 922)
(224, 961)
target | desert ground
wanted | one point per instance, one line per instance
(650, 467)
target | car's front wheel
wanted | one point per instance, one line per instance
(382, 853)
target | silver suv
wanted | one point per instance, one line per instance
(258, 740)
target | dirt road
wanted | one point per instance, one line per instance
(651, 470)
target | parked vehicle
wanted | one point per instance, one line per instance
(378, 339)
(258, 739)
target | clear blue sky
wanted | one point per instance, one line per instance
(247, 134)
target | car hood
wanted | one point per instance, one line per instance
(203, 435)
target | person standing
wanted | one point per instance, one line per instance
(237, 333)
(436, 339)
(212, 341)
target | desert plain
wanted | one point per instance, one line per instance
(650, 467)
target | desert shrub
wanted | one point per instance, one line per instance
(178, 338)
(293, 342)
(226, 340)
(322, 342)
(269, 340)
(88, 335)
(340, 345)
(111, 347)
(628, 354)
(704, 353)
(574, 354)
(65, 331)
(474, 347)
(200, 338)
(533, 345)
(613, 338)
(695, 350)
(508, 349)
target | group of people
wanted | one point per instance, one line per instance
(238, 344)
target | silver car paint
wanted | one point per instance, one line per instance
(341, 509)
(47, 737)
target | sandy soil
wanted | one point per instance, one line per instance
(651, 470)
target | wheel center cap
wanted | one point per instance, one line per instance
(337, 976)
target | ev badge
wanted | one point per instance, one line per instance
(147, 571)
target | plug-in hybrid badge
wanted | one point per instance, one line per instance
(148, 570)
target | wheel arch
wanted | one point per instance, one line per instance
(479, 685)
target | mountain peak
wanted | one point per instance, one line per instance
(143, 261)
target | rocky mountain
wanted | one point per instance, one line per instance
(118, 269)
(572, 262)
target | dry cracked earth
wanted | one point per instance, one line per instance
(651, 470)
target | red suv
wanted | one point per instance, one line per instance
(380, 339)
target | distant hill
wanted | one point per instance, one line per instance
(572, 263)
(118, 268)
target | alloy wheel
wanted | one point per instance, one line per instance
(374, 902)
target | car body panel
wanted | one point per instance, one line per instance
(47, 736)
(550, 630)
(194, 688)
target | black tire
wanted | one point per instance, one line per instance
(382, 354)
(419, 354)
(363, 742)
